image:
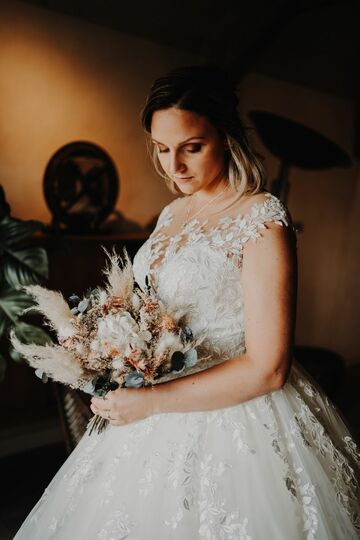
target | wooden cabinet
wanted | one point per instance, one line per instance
(76, 262)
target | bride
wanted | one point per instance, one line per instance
(248, 448)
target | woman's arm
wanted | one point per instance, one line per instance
(269, 281)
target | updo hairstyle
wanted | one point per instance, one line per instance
(208, 91)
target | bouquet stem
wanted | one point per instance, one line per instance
(97, 423)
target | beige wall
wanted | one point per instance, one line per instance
(63, 80)
(328, 205)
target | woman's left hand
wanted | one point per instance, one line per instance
(124, 405)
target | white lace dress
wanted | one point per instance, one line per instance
(282, 466)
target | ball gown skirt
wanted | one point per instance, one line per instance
(279, 467)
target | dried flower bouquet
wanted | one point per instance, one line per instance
(114, 336)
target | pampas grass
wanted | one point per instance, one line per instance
(58, 363)
(53, 305)
(120, 279)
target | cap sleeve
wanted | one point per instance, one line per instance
(271, 209)
(249, 226)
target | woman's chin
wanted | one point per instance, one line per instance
(187, 190)
(187, 187)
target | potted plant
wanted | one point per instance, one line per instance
(20, 264)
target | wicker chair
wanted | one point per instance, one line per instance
(74, 413)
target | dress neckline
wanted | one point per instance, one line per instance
(229, 233)
(186, 227)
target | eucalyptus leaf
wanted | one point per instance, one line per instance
(42, 375)
(26, 266)
(83, 305)
(89, 388)
(191, 358)
(95, 293)
(134, 379)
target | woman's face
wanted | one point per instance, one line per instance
(189, 148)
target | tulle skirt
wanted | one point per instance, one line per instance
(282, 466)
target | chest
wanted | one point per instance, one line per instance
(196, 258)
(198, 277)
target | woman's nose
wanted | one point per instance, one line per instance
(176, 165)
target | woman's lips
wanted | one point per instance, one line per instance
(184, 179)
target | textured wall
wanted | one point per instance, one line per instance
(63, 79)
(328, 205)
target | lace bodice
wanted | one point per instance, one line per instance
(199, 269)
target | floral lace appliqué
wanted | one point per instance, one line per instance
(229, 233)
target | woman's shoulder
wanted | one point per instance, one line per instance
(266, 202)
(263, 209)
(261, 198)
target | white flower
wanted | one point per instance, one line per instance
(118, 330)
(118, 363)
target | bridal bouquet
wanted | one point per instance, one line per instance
(116, 336)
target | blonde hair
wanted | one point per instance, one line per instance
(208, 91)
(245, 173)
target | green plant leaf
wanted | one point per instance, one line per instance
(12, 304)
(25, 266)
(13, 231)
(28, 333)
(19, 265)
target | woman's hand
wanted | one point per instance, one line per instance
(124, 405)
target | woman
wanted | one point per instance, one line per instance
(248, 448)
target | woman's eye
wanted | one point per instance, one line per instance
(195, 148)
(192, 150)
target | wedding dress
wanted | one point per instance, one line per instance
(282, 466)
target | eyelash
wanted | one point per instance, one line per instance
(197, 149)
